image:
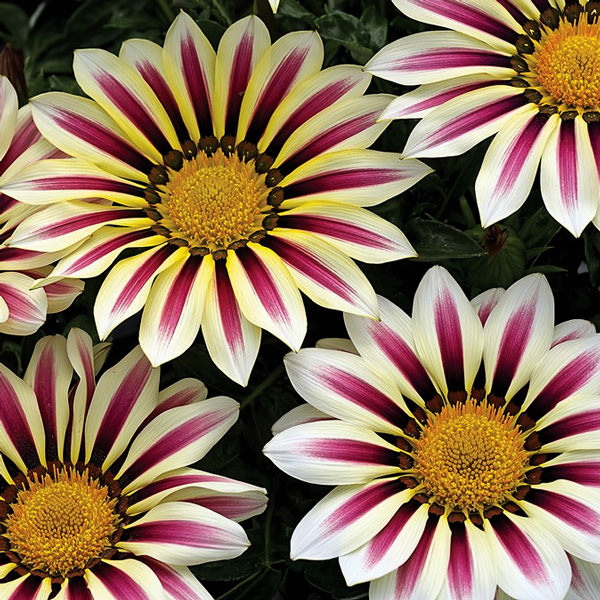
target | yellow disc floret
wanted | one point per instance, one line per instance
(214, 201)
(567, 64)
(470, 456)
(61, 522)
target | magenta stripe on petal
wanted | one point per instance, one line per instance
(349, 451)
(196, 84)
(85, 182)
(6, 202)
(20, 306)
(308, 264)
(181, 398)
(566, 509)
(572, 377)
(173, 583)
(567, 164)
(25, 136)
(594, 133)
(78, 590)
(16, 254)
(336, 228)
(584, 473)
(184, 435)
(457, 11)
(181, 532)
(310, 107)
(360, 504)
(342, 179)
(118, 583)
(522, 553)
(330, 137)
(231, 507)
(262, 281)
(102, 138)
(515, 13)
(241, 69)
(460, 566)
(169, 483)
(133, 109)
(449, 334)
(449, 58)
(385, 539)
(515, 338)
(44, 388)
(163, 92)
(279, 84)
(27, 590)
(572, 425)
(474, 119)
(410, 572)
(403, 358)
(229, 311)
(363, 394)
(518, 152)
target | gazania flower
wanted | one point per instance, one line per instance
(525, 70)
(23, 310)
(241, 174)
(464, 442)
(98, 501)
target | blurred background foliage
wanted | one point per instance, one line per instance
(439, 215)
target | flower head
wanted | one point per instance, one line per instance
(22, 309)
(526, 72)
(463, 441)
(241, 175)
(97, 496)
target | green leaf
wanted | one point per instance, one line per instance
(347, 31)
(435, 241)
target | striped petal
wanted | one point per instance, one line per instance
(9, 105)
(390, 548)
(518, 332)
(26, 588)
(74, 588)
(346, 518)
(459, 124)
(575, 329)
(189, 66)
(267, 294)
(97, 253)
(60, 225)
(355, 231)
(447, 332)
(60, 294)
(530, 563)
(305, 413)
(332, 453)
(585, 582)
(128, 284)
(580, 466)
(171, 317)
(571, 512)
(485, 303)
(422, 575)
(351, 123)
(127, 98)
(482, 19)
(49, 374)
(178, 437)
(343, 386)
(433, 56)
(27, 308)
(182, 533)
(326, 275)
(240, 48)
(183, 392)
(124, 396)
(23, 438)
(178, 583)
(308, 98)
(123, 578)
(357, 177)
(388, 343)
(55, 180)
(511, 163)
(79, 127)
(569, 180)
(232, 341)
(292, 58)
(567, 369)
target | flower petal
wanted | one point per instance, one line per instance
(182, 533)
(305, 413)
(9, 105)
(124, 578)
(569, 179)
(178, 583)
(586, 580)
(447, 332)
(27, 308)
(27, 588)
(485, 303)
(574, 329)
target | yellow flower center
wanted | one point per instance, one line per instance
(61, 522)
(214, 201)
(470, 456)
(567, 63)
